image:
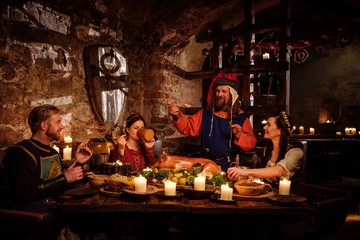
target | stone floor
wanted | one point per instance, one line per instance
(351, 228)
(349, 231)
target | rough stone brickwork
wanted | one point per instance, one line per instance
(41, 61)
(41, 53)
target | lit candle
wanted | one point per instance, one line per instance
(312, 130)
(226, 192)
(266, 56)
(67, 153)
(263, 122)
(301, 129)
(67, 139)
(284, 187)
(140, 184)
(199, 183)
(170, 188)
(347, 131)
(338, 133)
(56, 148)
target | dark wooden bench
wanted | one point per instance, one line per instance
(17, 224)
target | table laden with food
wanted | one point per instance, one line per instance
(182, 195)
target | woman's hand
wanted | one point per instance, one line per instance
(82, 154)
(74, 173)
(121, 142)
(234, 173)
(149, 144)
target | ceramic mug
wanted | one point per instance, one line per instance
(145, 134)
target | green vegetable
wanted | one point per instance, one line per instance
(219, 179)
(197, 168)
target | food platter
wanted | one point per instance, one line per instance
(110, 193)
(161, 194)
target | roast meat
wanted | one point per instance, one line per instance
(177, 162)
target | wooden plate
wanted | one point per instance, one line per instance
(109, 193)
(81, 192)
(190, 192)
(149, 191)
(162, 195)
(216, 198)
(287, 199)
(261, 196)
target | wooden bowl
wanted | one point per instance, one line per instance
(249, 188)
(97, 180)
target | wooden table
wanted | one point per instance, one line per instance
(154, 217)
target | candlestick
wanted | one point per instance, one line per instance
(199, 183)
(56, 148)
(67, 153)
(284, 187)
(170, 188)
(226, 192)
(312, 131)
(301, 129)
(140, 184)
(67, 139)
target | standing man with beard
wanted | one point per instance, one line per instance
(34, 169)
(223, 126)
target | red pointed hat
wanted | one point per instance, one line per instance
(229, 79)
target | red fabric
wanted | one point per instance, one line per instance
(191, 126)
(146, 159)
(228, 76)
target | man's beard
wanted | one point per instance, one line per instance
(53, 135)
(220, 104)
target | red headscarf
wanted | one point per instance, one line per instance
(229, 79)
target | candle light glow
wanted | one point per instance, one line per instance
(56, 148)
(67, 139)
(284, 187)
(301, 129)
(67, 153)
(312, 131)
(226, 192)
(140, 184)
(169, 188)
(199, 183)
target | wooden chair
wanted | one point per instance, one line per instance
(18, 224)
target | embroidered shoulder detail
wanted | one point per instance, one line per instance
(37, 146)
(30, 154)
(221, 114)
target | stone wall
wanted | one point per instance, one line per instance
(327, 83)
(45, 65)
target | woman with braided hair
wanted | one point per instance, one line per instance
(283, 159)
